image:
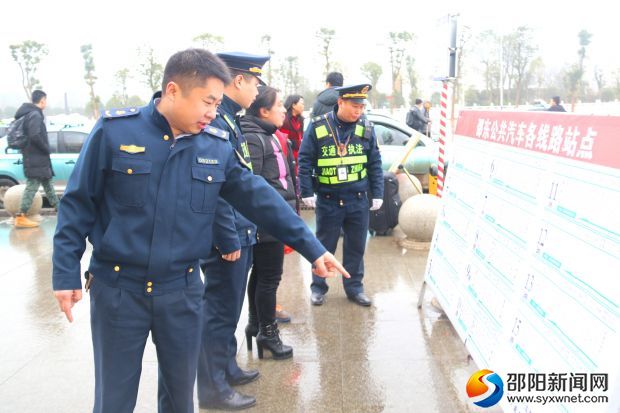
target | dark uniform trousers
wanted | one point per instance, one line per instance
(348, 211)
(224, 293)
(225, 283)
(120, 323)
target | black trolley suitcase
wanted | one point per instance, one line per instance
(385, 218)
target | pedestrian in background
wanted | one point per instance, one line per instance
(555, 105)
(36, 157)
(427, 115)
(416, 119)
(293, 124)
(327, 99)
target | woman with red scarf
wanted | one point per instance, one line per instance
(294, 122)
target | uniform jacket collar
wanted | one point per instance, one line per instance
(157, 117)
(340, 122)
(230, 107)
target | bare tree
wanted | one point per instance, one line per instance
(326, 36)
(121, 77)
(616, 80)
(89, 76)
(372, 71)
(28, 55)
(209, 41)
(599, 79)
(290, 74)
(536, 75)
(487, 46)
(574, 76)
(399, 42)
(413, 79)
(584, 41)
(523, 50)
(266, 41)
(507, 65)
(151, 69)
(116, 102)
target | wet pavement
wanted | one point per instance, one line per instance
(390, 357)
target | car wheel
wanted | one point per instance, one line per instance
(5, 184)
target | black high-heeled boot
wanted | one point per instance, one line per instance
(251, 330)
(269, 337)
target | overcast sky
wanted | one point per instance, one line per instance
(117, 28)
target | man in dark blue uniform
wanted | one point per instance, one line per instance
(339, 151)
(228, 264)
(144, 191)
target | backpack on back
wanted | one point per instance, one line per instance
(16, 134)
(411, 121)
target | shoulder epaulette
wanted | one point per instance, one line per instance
(320, 117)
(120, 113)
(231, 123)
(211, 130)
(368, 126)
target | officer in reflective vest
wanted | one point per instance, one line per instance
(339, 160)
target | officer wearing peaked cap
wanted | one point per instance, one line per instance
(227, 266)
(245, 63)
(340, 152)
(144, 191)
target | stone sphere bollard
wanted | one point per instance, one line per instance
(13, 200)
(417, 217)
(398, 233)
(406, 189)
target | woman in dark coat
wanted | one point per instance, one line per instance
(261, 121)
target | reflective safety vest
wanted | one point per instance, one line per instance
(244, 156)
(341, 162)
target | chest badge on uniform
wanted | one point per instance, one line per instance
(132, 149)
(207, 161)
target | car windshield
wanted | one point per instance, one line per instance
(68, 140)
(390, 131)
(387, 135)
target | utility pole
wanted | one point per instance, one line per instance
(453, 48)
(452, 65)
(501, 71)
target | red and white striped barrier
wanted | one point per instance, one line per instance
(443, 124)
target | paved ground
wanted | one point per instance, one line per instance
(390, 357)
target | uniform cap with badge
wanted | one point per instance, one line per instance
(356, 93)
(245, 62)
